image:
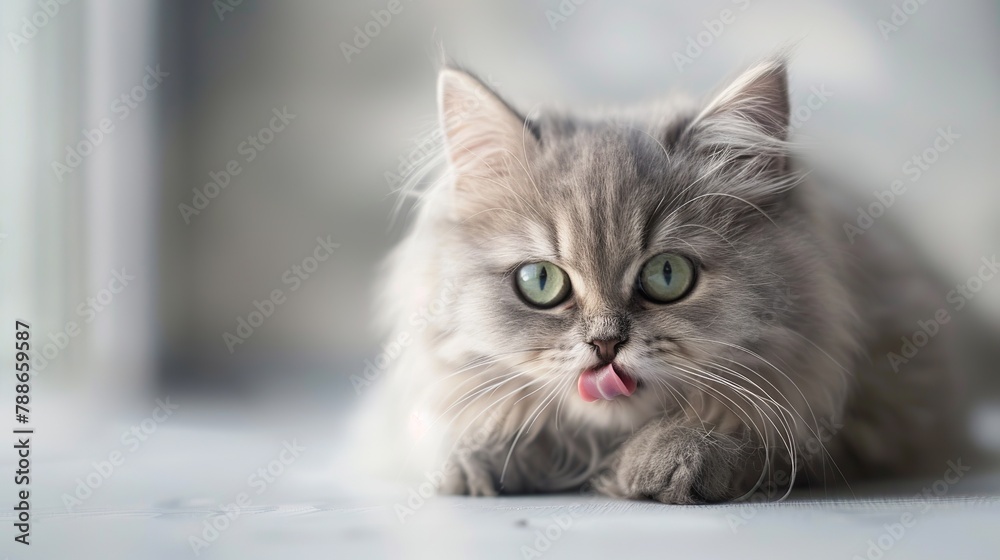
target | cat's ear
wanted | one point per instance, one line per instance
(742, 132)
(759, 97)
(483, 136)
(748, 118)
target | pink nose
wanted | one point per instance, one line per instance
(607, 349)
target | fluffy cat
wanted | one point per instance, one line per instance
(657, 305)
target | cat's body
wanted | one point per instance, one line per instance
(771, 368)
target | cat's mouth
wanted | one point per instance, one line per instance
(605, 382)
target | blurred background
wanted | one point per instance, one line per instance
(171, 164)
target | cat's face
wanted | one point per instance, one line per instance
(651, 248)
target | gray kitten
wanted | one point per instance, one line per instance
(657, 305)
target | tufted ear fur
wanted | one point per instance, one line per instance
(486, 141)
(743, 132)
(758, 99)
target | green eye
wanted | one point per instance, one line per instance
(666, 278)
(542, 284)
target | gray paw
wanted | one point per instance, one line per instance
(466, 474)
(674, 464)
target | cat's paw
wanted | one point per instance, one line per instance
(467, 475)
(674, 464)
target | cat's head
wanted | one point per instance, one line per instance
(609, 261)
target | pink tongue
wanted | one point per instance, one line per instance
(604, 383)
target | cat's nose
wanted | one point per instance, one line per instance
(607, 348)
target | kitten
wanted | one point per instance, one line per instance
(658, 306)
